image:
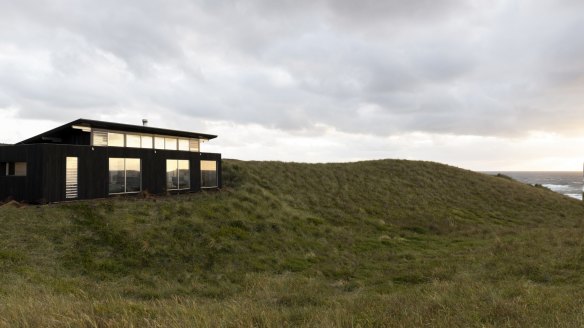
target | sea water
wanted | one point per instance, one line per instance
(566, 183)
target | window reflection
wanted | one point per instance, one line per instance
(124, 175)
(133, 183)
(208, 174)
(178, 174)
(117, 176)
(171, 174)
(184, 174)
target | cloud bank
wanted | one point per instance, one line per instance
(492, 69)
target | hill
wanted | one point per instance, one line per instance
(377, 243)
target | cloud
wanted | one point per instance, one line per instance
(378, 68)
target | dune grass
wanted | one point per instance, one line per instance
(379, 243)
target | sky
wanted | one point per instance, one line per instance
(483, 85)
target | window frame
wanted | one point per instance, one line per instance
(177, 172)
(12, 167)
(216, 174)
(106, 138)
(111, 134)
(125, 176)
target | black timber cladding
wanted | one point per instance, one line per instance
(18, 187)
(46, 155)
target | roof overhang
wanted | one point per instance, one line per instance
(87, 125)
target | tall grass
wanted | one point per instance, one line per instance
(379, 243)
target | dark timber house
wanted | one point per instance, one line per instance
(88, 159)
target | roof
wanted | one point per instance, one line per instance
(117, 127)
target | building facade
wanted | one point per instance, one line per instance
(88, 159)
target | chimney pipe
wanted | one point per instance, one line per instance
(144, 122)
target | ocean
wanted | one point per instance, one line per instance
(566, 183)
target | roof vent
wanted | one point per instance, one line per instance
(144, 122)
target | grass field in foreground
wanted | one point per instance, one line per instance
(378, 243)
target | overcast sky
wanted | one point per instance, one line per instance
(483, 85)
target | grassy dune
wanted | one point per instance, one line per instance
(379, 243)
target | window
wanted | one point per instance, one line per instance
(20, 169)
(183, 144)
(71, 178)
(13, 169)
(209, 174)
(125, 175)
(133, 140)
(133, 175)
(117, 175)
(171, 174)
(178, 174)
(147, 142)
(194, 144)
(184, 174)
(99, 138)
(170, 143)
(115, 139)
(159, 142)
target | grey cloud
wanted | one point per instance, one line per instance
(377, 67)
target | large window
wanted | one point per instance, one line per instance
(178, 174)
(209, 174)
(125, 175)
(13, 169)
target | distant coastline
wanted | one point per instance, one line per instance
(568, 183)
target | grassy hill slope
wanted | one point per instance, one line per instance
(394, 243)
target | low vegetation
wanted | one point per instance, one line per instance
(369, 244)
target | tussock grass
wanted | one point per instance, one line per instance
(379, 243)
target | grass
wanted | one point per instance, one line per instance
(378, 243)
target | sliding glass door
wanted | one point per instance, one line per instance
(125, 175)
(178, 174)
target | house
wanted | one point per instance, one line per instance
(88, 159)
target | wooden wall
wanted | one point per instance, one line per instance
(17, 187)
(45, 180)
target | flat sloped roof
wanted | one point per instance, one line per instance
(117, 127)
